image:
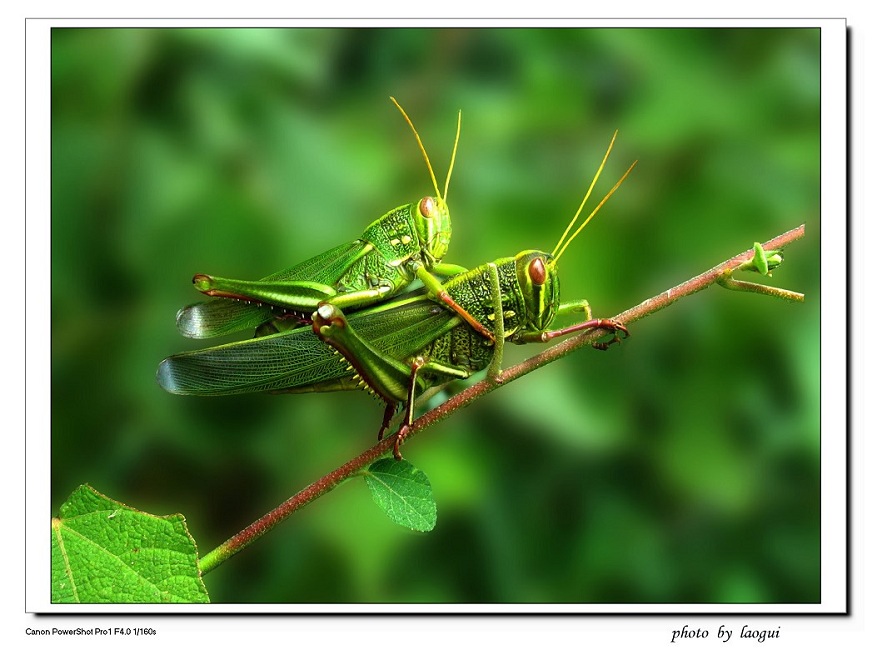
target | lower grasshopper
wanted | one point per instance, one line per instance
(408, 242)
(400, 347)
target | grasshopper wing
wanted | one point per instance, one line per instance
(221, 316)
(297, 360)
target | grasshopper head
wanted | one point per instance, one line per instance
(537, 276)
(433, 225)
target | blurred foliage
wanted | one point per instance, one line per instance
(682, 466)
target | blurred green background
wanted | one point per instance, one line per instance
(682, 466)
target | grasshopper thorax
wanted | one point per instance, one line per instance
(433, 227)
(537, 278)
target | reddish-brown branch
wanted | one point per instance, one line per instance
(486, 385)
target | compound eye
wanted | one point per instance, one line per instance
(427, 207)
(537, 271)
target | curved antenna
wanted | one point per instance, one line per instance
(453, 154)
(424, 151)
(595, 210)
(586, 196)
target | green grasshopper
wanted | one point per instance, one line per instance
(401, 347)
(408, 242)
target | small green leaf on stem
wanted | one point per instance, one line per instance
(403, 492)
(763, 261)
(760, 259)
(103, 551)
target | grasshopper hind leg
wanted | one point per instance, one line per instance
(390, 409)
(415, 366)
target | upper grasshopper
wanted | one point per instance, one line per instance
(408, 242)
(400, 347)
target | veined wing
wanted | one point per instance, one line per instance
(298, 358)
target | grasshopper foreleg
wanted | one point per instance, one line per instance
(593, 324)
(438, 292)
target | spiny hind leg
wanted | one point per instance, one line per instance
(390, 409)
(415, 366)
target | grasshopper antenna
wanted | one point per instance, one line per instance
(556, 253)
(586, 196)
(451, 165)
(563, 245)
(424, 151)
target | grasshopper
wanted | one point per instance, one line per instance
(408, 242)
(402, 347)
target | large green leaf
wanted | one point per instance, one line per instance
(403, 492)
(103, 551)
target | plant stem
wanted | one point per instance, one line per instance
(323, 485)
(726, 280)
(486, 385)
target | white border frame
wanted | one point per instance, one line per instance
(834, 362)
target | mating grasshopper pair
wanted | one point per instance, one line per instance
(395, 346)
